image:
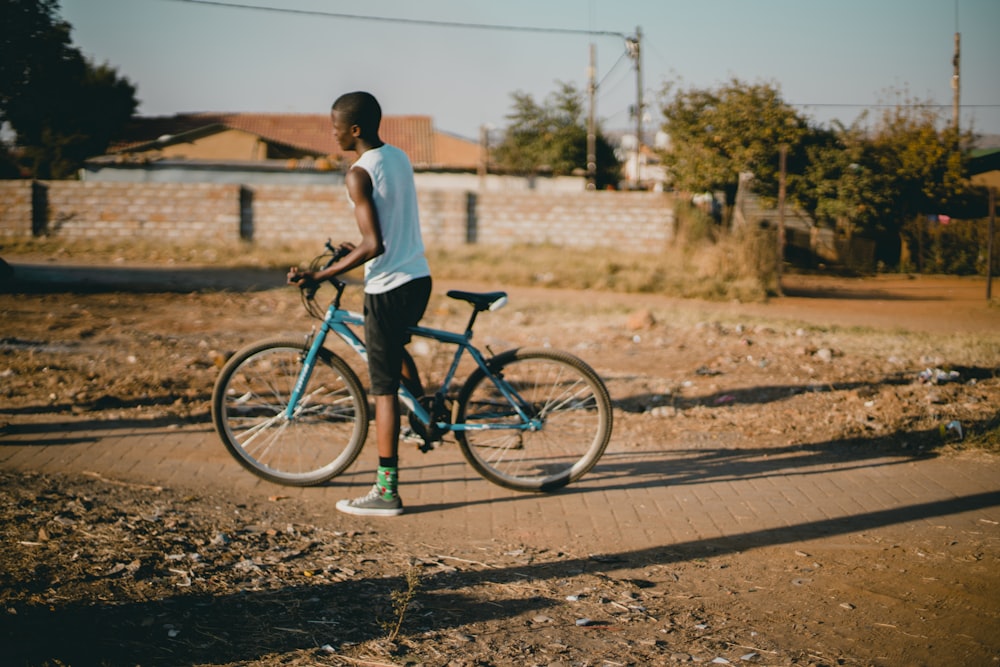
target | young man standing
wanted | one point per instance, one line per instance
(397, 276)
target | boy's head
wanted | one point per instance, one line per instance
(361, 109)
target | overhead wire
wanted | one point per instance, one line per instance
(621, 57)
(914, 105)
(429, 23)
(602, 90)
(388, 19)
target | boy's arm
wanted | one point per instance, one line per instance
(359, 187)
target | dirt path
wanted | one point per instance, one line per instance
(829, 376)
(934, 304)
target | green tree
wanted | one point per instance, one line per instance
(928, 165)
(875, 181)
(872, 181)
(841, 185)
(716, 134)
(61, 107)
(551, 138)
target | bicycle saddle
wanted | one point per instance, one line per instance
(481, 300)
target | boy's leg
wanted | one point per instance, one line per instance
(383, 499)
(387, 426)
(386, 319)
(387, 440)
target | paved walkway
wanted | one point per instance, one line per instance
(633, 501)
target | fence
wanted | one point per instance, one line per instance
(266, 214)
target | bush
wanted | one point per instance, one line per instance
(956, 247)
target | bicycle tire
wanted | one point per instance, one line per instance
(324, 437)
(563, 392)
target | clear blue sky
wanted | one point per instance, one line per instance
(186, 57)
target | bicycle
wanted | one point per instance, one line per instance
(295, 413)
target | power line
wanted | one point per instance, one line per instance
(894, 106)
(606, 89)
(386, 19)
(621, 57)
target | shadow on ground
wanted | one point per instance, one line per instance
(247, 625)
(53, 279)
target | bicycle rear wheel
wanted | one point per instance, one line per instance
(322, 438)
(562, 395)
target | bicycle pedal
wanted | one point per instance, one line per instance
(425, 446)
(409, 435)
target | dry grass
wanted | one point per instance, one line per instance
(701, 273)
(716, 270)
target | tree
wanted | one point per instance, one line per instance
(552, 138)
(928, 165)
(872, 181)
(717, 134)
(62, 108)
(840, 185)
(927, 170)
(876, 181)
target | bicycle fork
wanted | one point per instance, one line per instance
(308, 361)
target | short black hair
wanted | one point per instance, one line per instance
(361, 109)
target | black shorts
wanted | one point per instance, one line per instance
(387, 316)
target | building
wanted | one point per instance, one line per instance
(294, 149)
(252, 148)
(985, 167)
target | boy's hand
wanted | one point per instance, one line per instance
(298, 277)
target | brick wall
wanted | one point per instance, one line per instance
(15, 208)
(292, 213)
(631, 221)
(169, 211)
(270, 214)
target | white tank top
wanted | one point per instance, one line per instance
(395, 197)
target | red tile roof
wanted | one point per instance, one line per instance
(415, 135)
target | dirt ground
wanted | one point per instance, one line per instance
(189, 576)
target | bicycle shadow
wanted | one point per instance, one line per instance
(677, 467)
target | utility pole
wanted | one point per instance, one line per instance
(955, 84)
(634, 46)
(591, 123)
(782, 171)
(989, 243)
(956, 71)
(484, 155)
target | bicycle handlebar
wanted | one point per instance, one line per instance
(310, 287)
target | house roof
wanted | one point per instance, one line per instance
(415, 135)
(984, 160)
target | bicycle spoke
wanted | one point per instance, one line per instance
(328, 425)
(569, 420)
(271, 437)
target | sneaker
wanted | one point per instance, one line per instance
(372, 504)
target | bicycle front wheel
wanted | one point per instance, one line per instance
(325, 432)
(565, 430)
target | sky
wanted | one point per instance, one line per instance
(832, 59)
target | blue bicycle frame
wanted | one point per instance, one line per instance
(339, 321)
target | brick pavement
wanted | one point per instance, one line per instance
(633, 501)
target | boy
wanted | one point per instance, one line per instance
(397, 276)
